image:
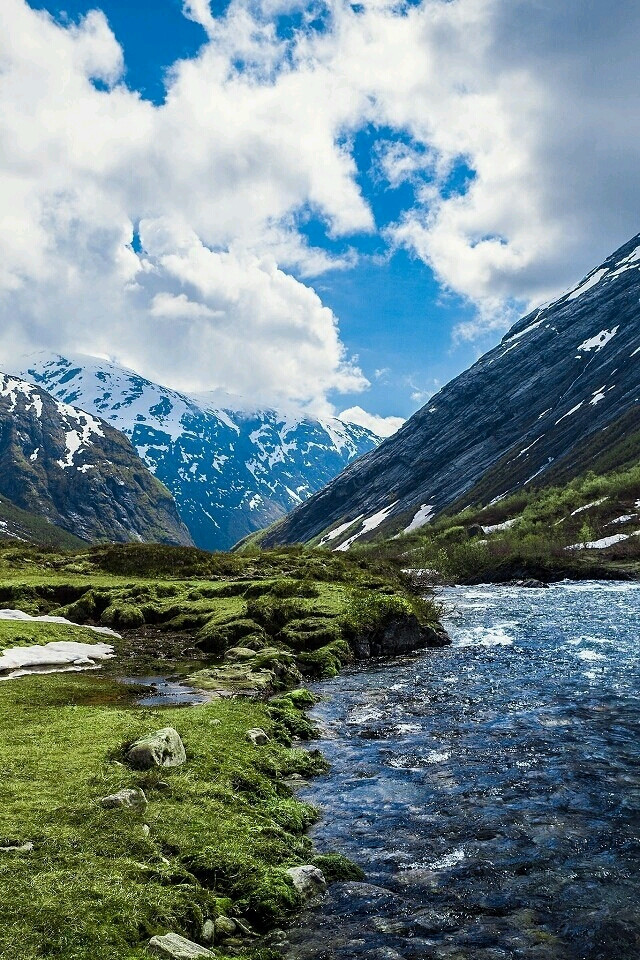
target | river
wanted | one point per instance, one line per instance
(491, 790)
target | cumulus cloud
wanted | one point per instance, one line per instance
(513, 121)
(381, 426)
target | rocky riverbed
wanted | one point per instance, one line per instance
(490, 791)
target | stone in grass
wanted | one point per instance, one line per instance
(307, 880)
(17, 847)
(257, 736)
(125, 798)
(164, 748)
(172, 946)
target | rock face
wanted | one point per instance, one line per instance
(164, 748)
(68, 467)
(231, 470)
(172, 946)
(561, 389)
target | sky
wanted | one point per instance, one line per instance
(336, 206)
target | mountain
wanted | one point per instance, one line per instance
(546, 404)
(65, 466)
(231, 471)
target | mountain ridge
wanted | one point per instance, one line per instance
(231, 472)
(561, 374)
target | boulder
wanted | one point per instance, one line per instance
(164, 748)
(208, 934)
(225, 927)
(257, 736)
(172, 946)
(307, 880)
(133, 797)
(399, 635)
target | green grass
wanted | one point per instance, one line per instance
(95, 886)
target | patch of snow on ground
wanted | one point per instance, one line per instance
(624, 519)
(53, 657)
(603, 543)
(590, 282)
(526, 449)
(337, 531)
(588, 506)
(569, 413)
(367, 525)
(599, 341)
(422, 517)
(523, 333)
(505, 525)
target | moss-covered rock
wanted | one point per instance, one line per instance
(125, 616)
(215, 637)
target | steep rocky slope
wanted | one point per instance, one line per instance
(559, 390)
(66, 466)
(231, 471)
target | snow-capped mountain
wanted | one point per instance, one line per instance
(560, 393)
(231, 471)
(69, 467)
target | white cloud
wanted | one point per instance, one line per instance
(381, 426)
(221, 175)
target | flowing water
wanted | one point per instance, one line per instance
(490, 791)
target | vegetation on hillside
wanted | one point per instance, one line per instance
(586, 528)
(20, 525)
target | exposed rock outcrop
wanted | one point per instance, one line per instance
(399, 635)
(171, 946)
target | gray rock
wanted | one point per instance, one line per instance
(164, 748)
(308, 880)
(172, 946)
(208, 932)
(225, 927)
(17, 847)
(132, 797)
(257, 736)
(397, 636)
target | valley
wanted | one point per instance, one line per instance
(277, 750)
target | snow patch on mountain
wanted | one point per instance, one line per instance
(599, 341)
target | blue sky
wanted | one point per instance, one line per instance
(334, 206)
(393, 314)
